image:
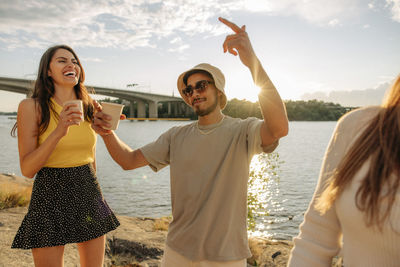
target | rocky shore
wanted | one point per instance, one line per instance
(137, 242)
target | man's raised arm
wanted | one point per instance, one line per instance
(276, 123)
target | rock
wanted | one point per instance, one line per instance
(134, 242)
(11, 179)
(269, 252)
(276, 254)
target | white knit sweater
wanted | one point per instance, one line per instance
(343, 226)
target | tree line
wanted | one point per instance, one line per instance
(312, 110)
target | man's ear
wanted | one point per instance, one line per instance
(220, 95)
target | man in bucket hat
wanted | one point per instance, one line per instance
(209, 161)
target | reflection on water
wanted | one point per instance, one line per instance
(302, 152)
(265, 196)
(263, 176)
(141, 192)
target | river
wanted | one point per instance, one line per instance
(142, 192)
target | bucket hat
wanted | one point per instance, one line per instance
(216, 74)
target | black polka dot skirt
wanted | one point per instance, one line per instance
(67, 206)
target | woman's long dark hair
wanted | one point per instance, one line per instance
(44, 89)
(379, 143)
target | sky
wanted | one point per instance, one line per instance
(306, 46)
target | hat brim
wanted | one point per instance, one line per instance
(218, 81)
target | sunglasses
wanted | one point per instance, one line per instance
(200, 86)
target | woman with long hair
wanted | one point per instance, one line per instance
(356, 205)
(57, 144)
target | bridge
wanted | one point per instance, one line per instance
(140, 104)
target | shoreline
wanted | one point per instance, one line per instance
(135, 241)
(138, 240)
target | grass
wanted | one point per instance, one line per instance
(161, 224)
(14, 195)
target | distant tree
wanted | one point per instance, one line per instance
(9, 113)
(242, 109)
(312, 110)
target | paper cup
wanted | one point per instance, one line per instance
(114, 110)
(78, 103)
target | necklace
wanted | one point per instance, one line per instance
(212, 130)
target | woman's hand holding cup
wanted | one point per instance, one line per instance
(71, 114)
(76, 108)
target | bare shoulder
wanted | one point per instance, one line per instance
(28, 109)
(27, 104)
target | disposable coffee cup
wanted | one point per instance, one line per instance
(114, 110)
(78, 103)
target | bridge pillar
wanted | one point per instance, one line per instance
(141, 109)
(181, 108)
(131, 109)
(153, 112)
(175, 109)
(188, 110)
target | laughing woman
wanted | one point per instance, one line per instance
(57, 144)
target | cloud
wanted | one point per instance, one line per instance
(375, 5)
(386, 79)
(114, 23)
(395, 9)
(176, 40)
(334, 22)
(130, 24)
(354, 98)
(321, 12)
(317, 86)
(180, 48)
(90, 59)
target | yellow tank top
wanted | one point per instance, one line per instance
(74, 149)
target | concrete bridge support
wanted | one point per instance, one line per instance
(153, 111)
(175, 109)
(141, 109)
(188, 110)
(169, 107)
(141, 113)
(131, 109)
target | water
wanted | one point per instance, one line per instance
(302, 152)
(142, 192)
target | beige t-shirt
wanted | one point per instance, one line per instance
(209, 171)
